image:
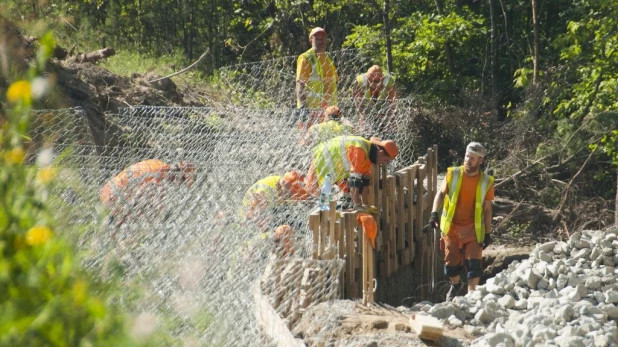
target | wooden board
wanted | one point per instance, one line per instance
(426, 327)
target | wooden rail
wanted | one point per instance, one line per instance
(404, 202)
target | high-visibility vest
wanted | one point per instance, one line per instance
(330, 157)
(328, 130)
(454, 180)
(315, 88)
(266, 188)
(388, 81)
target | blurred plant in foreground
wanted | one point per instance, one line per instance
(47, 299)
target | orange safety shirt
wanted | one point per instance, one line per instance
(464, 214)
(135, 176)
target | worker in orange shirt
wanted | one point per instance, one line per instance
(316, 80)
(266, 199)
(141, 185)
(374, 95)
(467, 193)
(349, 157)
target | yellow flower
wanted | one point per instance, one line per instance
(37, 235)
(19, 91)
(14, 155)
(46, 174)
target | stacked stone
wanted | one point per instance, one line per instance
(565, 294)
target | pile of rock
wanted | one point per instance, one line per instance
(565, 294)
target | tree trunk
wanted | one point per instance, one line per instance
(535, 57)
(448, 50)
(387, 34)
(495, 77)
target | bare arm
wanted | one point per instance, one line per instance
(438, 201)
(301, 94)
(487, 212)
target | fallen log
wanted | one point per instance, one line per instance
(93, 56)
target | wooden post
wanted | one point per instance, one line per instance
(323, 231)
(314, 226)
(411, 211)
(391, 222)
(371, 276)
(401, 212)
(365, 256)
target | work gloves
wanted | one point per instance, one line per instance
(486, 241)
(434, 220)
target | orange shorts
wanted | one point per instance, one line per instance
(460, 244)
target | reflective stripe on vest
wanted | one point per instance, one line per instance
(315, 84)
(387, 82)
(331, 157)
(454, 182)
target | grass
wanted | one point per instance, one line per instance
(125, 63)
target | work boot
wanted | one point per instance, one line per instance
(455, 290)
(345, 202)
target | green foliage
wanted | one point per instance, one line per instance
(47, 299)
(126, 63)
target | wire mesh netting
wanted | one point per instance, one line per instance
(187, 255)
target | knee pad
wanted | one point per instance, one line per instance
(474, 268)
(452, 271)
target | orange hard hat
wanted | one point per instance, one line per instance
(316, 30)
(389, 146)
(294, 182)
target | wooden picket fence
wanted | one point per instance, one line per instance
(404, 202)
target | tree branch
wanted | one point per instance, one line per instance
(185, 69)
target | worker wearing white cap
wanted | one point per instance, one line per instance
(467, 194)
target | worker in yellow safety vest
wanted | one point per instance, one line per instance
(374, 95)
(332, 124)
(263, 199)
(316, 80)
(467, 194)
(349, 157)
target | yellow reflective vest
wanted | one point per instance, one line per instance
(331, 157)
(315, 88)
(266, 189)
(388, 81)
(454, 178)
(328, 130)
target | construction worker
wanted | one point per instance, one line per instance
(349, 157)
(467, 194)
(266, 197)
(316, 80)
(374, 93)
(140, 186)
(332, 124)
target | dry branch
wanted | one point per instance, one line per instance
(94, 56)
(183, 70)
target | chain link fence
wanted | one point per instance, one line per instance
(187, 258)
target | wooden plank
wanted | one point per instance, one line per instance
(271, 322)
(349, 232)
(314, 226)
(339, 234)
(435, 170)
(412, 172)
(392, 224)
(426, 327)
(400, 180)
(323, 231)
(332, 217)
(371, 277)
(365, 269)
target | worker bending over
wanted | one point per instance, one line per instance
(331, 125)
(349, 157)
(141, 186)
